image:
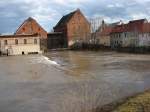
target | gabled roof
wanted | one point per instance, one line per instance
(30, 19)
(65, 19)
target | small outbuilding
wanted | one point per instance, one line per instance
(56, 40)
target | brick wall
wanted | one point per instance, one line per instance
(78, 27)
(32, 27)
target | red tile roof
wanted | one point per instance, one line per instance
(29, 20)
(140, 21)
(106, 31)
(119, 28)
(140, 26)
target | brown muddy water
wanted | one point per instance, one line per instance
(70, 81)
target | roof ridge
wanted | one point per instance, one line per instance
(137, 20)
(66, 18)
(29, 19)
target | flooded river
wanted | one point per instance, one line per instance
(70, 81)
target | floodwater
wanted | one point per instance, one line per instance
(70, 81)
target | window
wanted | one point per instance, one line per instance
(5, 42)
(24, 29)
(25, 41)
(35, 41)
(16, 41)
(121, 42)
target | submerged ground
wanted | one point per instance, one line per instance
(70, 81)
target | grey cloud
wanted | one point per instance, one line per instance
(49, 12)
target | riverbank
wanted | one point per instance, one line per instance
(63, 81)
(137, 103)
(138, 50)
(97, 47)
(90, 47)
(140, 103)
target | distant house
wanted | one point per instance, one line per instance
(19, 44)
(74, 26)
(136, 33)
(30, 27)
(103, 33)
(104, 36)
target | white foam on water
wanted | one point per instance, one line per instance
(44, 60)
(50, 61)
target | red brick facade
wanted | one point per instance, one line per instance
(29, 27)
(74, 26)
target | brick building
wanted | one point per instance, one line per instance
(29, 27)
(74, 26)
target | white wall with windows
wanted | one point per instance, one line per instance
(144, 40)
(20, 46)
(124, 39)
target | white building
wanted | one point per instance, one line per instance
(144, 37)
(19, 44)
(134, 34)
(124, 39)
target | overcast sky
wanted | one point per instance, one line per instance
(48, 12)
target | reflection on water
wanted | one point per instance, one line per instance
(68, 81)
(112, 76)
(72, 64)
(103, 64)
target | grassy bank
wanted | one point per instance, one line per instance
(137, 103)
(140, 103)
